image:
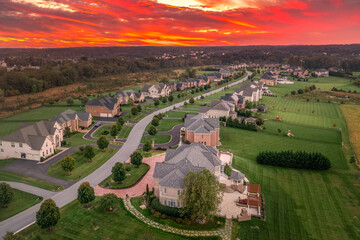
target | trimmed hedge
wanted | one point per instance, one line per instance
(299, 159)
(170, 211)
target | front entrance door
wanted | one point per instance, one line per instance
(23, 155)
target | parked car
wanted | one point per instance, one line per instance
(97, 124)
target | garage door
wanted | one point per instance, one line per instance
(103, 114)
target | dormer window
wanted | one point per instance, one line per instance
(20, 145)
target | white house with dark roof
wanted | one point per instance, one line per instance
(169, 175)
(322, 72)
(251, 91)
(32, 141)
(125, 96)
(219, 109)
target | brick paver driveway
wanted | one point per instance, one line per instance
(140, 187)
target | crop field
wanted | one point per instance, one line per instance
(352, 116)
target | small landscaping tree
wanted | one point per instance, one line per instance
(70, 101)
(109, 202)
(118, 172)
(156, 102)
(48, 215)
(6, 194)
(84, 100)
(164, 100)
(89, 152)
(114, 130)
(293, 92)
(152, 130)
(67, 132)
(201, 196)
(191, 100)
(134, 111)
(68, 164)
(102, 143)
(227, 170)
(147, 146)
(130, 102)
(85, 194)
(259, 120)
(139, 109)
(120, 121)
(170, 98)
(300, 91)
(155, 122)
(136, 158)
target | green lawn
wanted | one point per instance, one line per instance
(15, 177)
(11, 123)
(211, 225)
(175, 114)
(77, 222)
(82, 166)
(299, 204)
(166, 124)
(77, 140)
(20, 202)
(159, 138)
(123, 133)
(132, 177)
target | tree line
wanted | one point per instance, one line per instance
(291, 159)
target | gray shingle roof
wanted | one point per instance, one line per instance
(33, 135)
(145, 88)
(248, 88)
(69, 115)
(107, 102)
(236, 175)
(179, 162)
(199, 123)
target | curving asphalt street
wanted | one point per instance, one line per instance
(27, 217)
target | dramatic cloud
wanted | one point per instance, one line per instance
(69, 23)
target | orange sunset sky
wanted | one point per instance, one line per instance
(75, 23)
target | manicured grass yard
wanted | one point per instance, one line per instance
(82, 166)
(15, 177)
(123, 133)
(77, 140)
(20, 202)
(211, 225)
(159, 138)
(299, 204)
(166, 124)
(77, 222)
(132, 177)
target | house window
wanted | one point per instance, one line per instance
(2, 150)
(46, 144)
(179, 192)
(12, 144)
(164, 190)
(171, 203)
(20, 144)
(46, 152)
(165, 202)
(0, 143)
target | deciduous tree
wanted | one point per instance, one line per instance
(136, 158)
(118, 172)
(85, 193)
(6, 194)
(102, 143)
(68, 164)
(48, 215)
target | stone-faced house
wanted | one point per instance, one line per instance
(235, 99)
(155, 91)
(203, 80)
(32, 141)
(172, 86)
(321, 73)
(251, 91)
(105, 107)
(169, 175)
(124, 96)
(73, 120)
(215, 77)
(201, 129)
(219, 109)
(269, 78)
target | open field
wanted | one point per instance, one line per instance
(15, 177)
(352, 116)
(132, 177)
(77, 222)
(20, 202)
(82, 166)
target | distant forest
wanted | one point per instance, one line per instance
(60, 67)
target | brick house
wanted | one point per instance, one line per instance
(201, 129)
(73, 120)
(269, 78)
(105, 107)
(32, 141)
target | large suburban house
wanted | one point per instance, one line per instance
(32, 141)
(105, 107)
(124, 96)
(269, 78)
(321, 73)
(251, 91)
(155, 91)
(235, 99)
(219, 109)
(201, 129)
(73, 120)
(169, 175)
(215, 77)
